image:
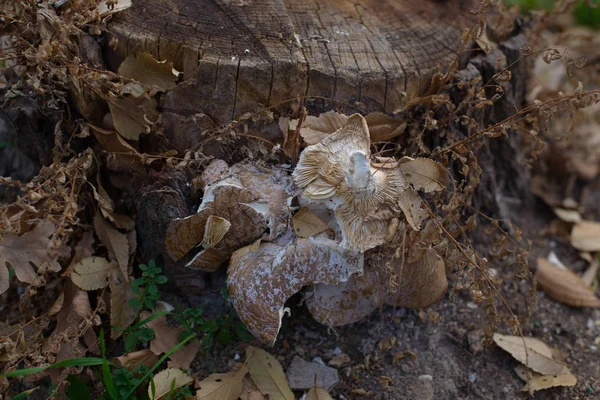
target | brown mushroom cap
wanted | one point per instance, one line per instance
(261, 280)
(253, 200)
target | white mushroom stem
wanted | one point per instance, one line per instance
(359, 175)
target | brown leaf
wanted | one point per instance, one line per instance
(103, 9)
(121, 314)
(537, 382)
(306, 223)
(318, 393)
(165, 338)
(532, 352)
(564, 285)
(567, 215)
(133, 116)
(227, 386)
(91, 273)
(83, 249)
(115, 242)
(585, 236)
(166, 381)
(143, 68)
(133, 360)
(30, 248)
(425, 174)
(268, 374)
(114, 143)
(315, 129)
(384, 128)
(214, 231)
(260, 282)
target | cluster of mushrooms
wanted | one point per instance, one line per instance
(376, 245)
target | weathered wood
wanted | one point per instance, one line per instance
(239, 54)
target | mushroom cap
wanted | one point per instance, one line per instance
(261, 279)
(338, 172)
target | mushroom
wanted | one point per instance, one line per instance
(261, 278)
(421, 283)
(241, 204)
(366, 197)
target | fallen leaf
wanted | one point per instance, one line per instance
(268, 374)
(30, 248)
(585, 236)
(91, 273)
(255, 395)
(121, 313)
(566, 215)
(315, 129)
(591, 273)
(165, 338)
(306, 223)
(318, 393)
(425, 174)
(133, 360)
(537, 382)
(115, 242)
(214, 231)
(83, 249)
(143, 68)
(227, 386)
(564, 286)
(103, 9)
(250, 391)
(384, 128)
(114, 143)
(532, 352)
(133, 116)
(167, 381)
(387, 343)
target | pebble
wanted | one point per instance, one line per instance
(236, 357)
(340, 360)
(425, 378)
(301, 375)
(472, 377)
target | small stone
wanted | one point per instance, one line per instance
(472, 377)
(340, 360)
(301, 375)
(318, 360)
(475, 339)
(425, 378)
(472, 305)
(400, 312)
(236, 357)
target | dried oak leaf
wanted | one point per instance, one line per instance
(167, 337)
(167, 380)
(253, 200)
(585, 236)
(225, 386)
(133, 360)
(268, 374)
(533, 353)
(24, 252)
(91, 273)
(537, 382)
(261, 281)
(143, 68)
(564, 286)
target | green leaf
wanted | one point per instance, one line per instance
(77, 389)
(106, 375)
(73, 362)
(224, 337)
(25, 394)
(161, 279)
(241, 332)
(143, 267)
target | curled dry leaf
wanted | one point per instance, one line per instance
(261, 281)
(268, 374)
(585, 236)
(226, 386)
(533, 353)
(133, 360)
(115, 242)
(318, 393)
(425, 174)
(567, 215)
(133, 116)
(83, 249)
(91, 273)
(315, 129)
(166, 381)
(143, 68)
(165, 338)
(564, 286)
(33, 247)
(537, 382)
(254, 200)
(306, 223)
(384, 128)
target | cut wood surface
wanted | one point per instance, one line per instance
(239, 54)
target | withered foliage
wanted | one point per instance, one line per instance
(104, 122)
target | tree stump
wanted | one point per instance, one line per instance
(237, 55)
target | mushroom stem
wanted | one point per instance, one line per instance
(359, 174)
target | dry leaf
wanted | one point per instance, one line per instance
(532, 352)
(255, 395)
(537, 382)
(114, 143)
(214, 231)
(121, 313)
(585, 236)
(227, 386)
(165, 338)
(425, 174)
(315, 129)
(306, 223)
(384, 128)
(30, 248)
(167, 381)
(115, 242)
(133, 360)
(564, 285)
(91, 273)
(387, 343)
(103, 9)
(83, 249)
(268, 374)
(318, 393)
(591, 273)
(567, 215)
(133, 116)
(143, 68)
